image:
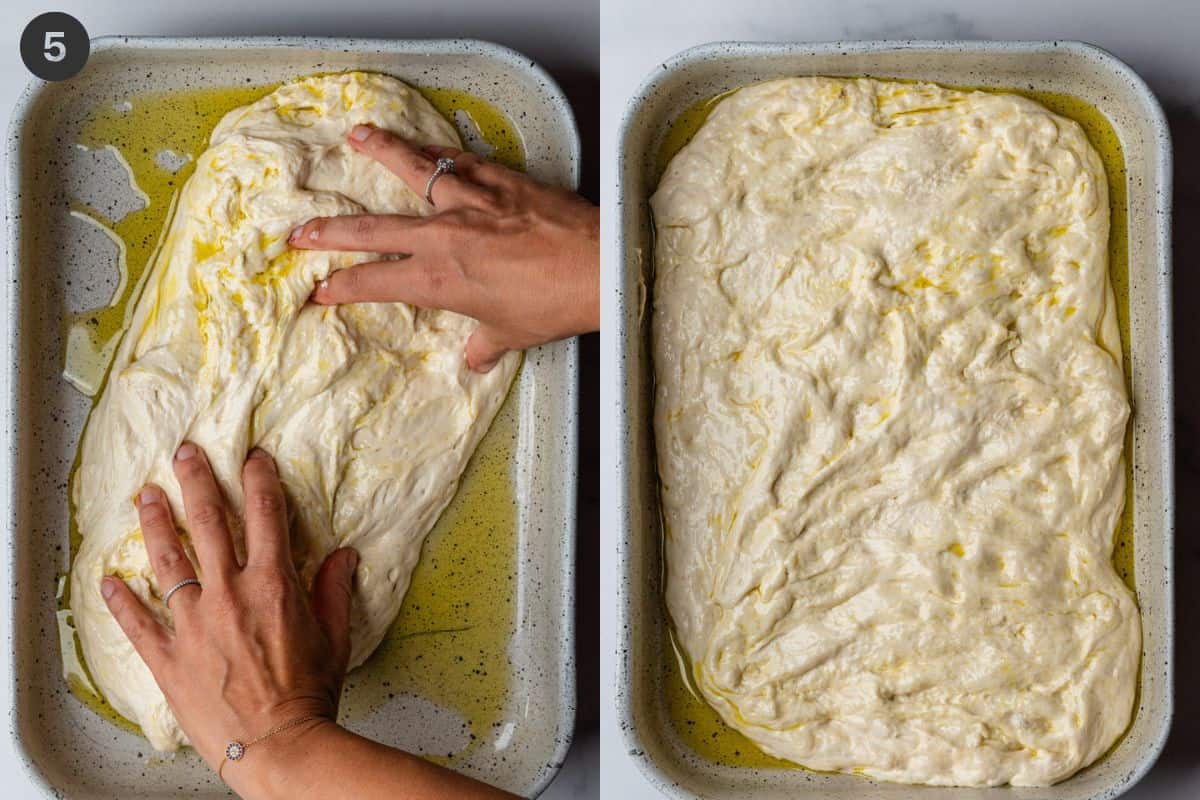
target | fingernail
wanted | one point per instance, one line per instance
(258, 452)
(360, 133)
(107, 587)
(148, 494)
(185, 451)
(319, 294)
(295, 234)
(485, 366)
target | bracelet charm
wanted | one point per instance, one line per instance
(235, 750)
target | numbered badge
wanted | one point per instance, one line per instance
(54, 46)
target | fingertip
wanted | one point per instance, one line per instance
(482, 351)
(258, 461)
(186, 451)
(481, 362)
(360, 133)
(484, 367)
(149, 495)
(303, 236)
(108, 587)
(320, 293)
(343, 559)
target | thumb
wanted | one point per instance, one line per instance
(147, 635)
(331, 594)
(483, 351)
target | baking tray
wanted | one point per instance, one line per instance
(68, 750)
(1072, 68)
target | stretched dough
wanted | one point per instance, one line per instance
(890, 416)
(369, 410)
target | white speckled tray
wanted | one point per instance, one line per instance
(1070, 68)
(66, 748)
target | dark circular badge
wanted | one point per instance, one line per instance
(54, 46)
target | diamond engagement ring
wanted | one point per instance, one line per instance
(177, 587)
(444, 166)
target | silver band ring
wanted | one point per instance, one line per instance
(177, 587)
(444, 166)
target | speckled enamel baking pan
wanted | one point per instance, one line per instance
(1069, 68)
(67, 749)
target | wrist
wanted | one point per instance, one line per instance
(273, 767)
(584, 275)
(584, 304)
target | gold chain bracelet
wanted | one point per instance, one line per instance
(235, 750)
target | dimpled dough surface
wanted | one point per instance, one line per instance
(369, 410)
(890, 414)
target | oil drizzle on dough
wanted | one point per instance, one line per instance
(700, 727)
(177, 121)
(449, 645)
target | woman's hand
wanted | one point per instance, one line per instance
(520, 257)
(249, 650)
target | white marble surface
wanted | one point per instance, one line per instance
(1157, 37)
(562, 35)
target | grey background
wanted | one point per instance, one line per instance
(563, 36)
(1156, 37)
